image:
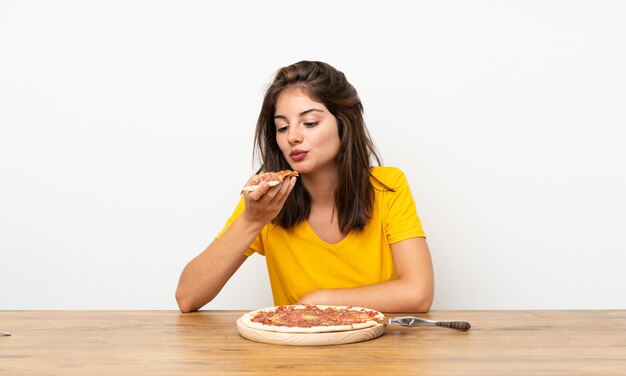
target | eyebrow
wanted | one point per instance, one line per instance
(301, 113)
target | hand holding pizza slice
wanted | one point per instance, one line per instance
(272, 178)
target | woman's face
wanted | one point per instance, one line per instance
(306, 132)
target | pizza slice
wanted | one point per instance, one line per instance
(272, 178)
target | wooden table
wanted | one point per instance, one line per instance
(207, 343)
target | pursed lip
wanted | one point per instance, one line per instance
(298, 154)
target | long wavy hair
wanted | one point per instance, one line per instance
(354, 195)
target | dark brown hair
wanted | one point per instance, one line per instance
(354, 195)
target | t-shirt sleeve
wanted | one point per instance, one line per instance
(257, 244)
(402, 220)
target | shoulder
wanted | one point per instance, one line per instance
(392, 177)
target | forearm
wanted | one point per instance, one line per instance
(205, 275)
(391, 296)
(412, 291)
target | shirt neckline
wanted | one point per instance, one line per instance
(326, 244)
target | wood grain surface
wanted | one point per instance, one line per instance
(207, 343)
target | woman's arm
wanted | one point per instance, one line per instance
(412, 291)
(205, 275)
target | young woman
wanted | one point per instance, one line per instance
(343, 232)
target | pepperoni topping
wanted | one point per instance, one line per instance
(276, 176)
(311, 315)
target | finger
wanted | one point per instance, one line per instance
(258, 193)
(285, 189)
(272, 192)
(289, 184)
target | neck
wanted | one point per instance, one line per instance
(321, 187)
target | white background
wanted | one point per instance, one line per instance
(126, 134)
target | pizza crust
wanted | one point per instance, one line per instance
(246, 320)
(251, 188)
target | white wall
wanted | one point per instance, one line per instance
(126, 133)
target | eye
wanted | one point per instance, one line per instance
(311, 124)
(282, 129)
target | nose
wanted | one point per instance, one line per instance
(294, 136)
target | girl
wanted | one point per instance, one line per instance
(343, 232)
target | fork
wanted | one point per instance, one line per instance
(415, 321)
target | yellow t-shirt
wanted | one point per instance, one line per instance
(298, 261)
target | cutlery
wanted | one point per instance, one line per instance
(4, 334)
(415, 321)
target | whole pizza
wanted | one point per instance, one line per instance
(307, 318)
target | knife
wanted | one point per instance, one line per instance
(4, 334)
(415, 321)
